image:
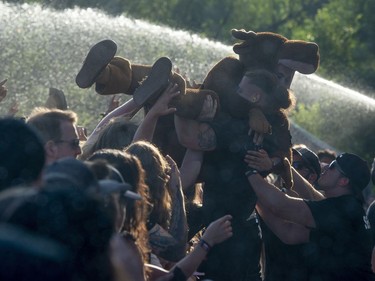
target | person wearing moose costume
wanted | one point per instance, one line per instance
(224, 139)
(112, 74)
(263, 50)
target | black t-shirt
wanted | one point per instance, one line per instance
(226, 189)
(340, 245)
(282, 262)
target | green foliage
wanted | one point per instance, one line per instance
(326, 121)
(344, 30)
(308, 117)
(338, 27)
(45, 48)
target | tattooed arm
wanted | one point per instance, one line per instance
(160, 239)
(194, 134)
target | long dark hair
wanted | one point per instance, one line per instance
(136, 211)
(156, 167)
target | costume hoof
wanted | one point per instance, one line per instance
(156, 81)
(96, 60)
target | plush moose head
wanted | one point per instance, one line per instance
(267, 50)
(258, 50)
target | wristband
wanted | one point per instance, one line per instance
(251, 172)
(205, 245)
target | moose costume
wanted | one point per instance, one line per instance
(266, 50)
(226, 188)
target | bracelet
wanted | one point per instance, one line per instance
(205, 245)
(251, 172)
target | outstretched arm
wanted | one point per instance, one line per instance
(260, 161)
(304, 188)
(286, 207)
(217, 232)
(146, 129)
(289, 233)
(126, 109)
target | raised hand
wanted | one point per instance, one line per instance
(174, 175)
(258, 125)
(218, 231)
(258, 160)
(208, 110)
(161, 107)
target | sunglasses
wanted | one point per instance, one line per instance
(335, 165)
(72, 143)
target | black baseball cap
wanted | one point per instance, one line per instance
(355, 169)
(310, 159)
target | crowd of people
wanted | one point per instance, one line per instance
(217, 197)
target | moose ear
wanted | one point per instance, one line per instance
(242, 34)
(301, 56)
(248, 41)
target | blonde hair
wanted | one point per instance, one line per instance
(47, 121)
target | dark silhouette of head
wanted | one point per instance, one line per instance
(22, 155)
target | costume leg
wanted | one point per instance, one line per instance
(115, 78)
(124, 77)
(144, 82)
(157, 80)
(95, 62)
(113, 75)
